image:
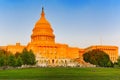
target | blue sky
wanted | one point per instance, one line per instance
(79, 23)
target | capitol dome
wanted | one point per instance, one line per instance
(42, 32)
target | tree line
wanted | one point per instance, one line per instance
(15, 60)
(98, 58)
(95, 57)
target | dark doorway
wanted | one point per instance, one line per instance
(53, 61)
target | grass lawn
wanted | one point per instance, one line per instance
(61, 74)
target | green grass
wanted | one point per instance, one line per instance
(61, 74)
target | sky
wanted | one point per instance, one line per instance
(79, 23)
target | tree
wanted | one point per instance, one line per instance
(2, 61)
(19, 61)
(11, 60)
(110, 64)
(118, 61)
(17, 54)
(28, 57)
(32, 57)
(3, 58)
(98, 57)
(25, 56)
(8, 59)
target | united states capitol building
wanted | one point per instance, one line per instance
(50, 53)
